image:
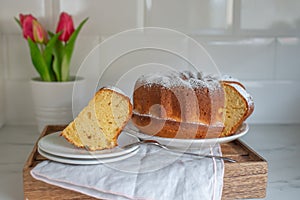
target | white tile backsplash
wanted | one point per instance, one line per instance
(12, 8)
(276, 16)
(84, 45)
(275, 101)
(287, 59)
(105, 16)
(126, 54)
(2, 88)
(255, 41)
(194, 16)
(18, 103)
(19, 65)
(124, 71)
(243, 58)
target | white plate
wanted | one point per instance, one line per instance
(57, 145)
(189, 143)
(85, 161)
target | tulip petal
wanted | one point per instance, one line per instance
(66, 26)
(26, 22)
(39, 33)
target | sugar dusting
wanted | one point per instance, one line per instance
(237, 85)
(113, 88)
(229, 78)
(192, 80)
(187, 79)
(244, 93)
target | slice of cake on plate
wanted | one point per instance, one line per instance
(99, 124)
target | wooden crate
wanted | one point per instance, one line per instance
(245, 179)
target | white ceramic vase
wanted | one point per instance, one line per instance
(53, 101)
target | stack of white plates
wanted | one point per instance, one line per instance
(184, 144)
(56, 148)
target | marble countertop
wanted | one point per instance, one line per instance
(278, 144)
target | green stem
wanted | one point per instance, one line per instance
(65, 70)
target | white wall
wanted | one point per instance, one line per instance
(255, 41)
(2, 88)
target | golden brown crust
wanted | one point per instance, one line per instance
(200, 105)
(189, 109)
(160, 110)
(72, 142)
(172, 129)
(234, 82)
(64, 133)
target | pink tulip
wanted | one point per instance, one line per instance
(39, 33)
(66, 26)
(26, 23)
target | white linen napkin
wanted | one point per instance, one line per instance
(150, 174)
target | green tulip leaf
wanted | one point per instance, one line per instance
(58, 53)
(68, 51)
(53, 53)
(48, 55)
(18, 22)
(39, 62)
(53, 61)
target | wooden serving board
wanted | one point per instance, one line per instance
(245, 179)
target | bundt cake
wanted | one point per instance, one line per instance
(189, 105)
(99, 124)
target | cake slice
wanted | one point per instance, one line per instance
(99, 124)
(238, 106)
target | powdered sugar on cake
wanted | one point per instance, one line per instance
(229, 78)
(180, 79)
(113, 88)
(244, 93)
